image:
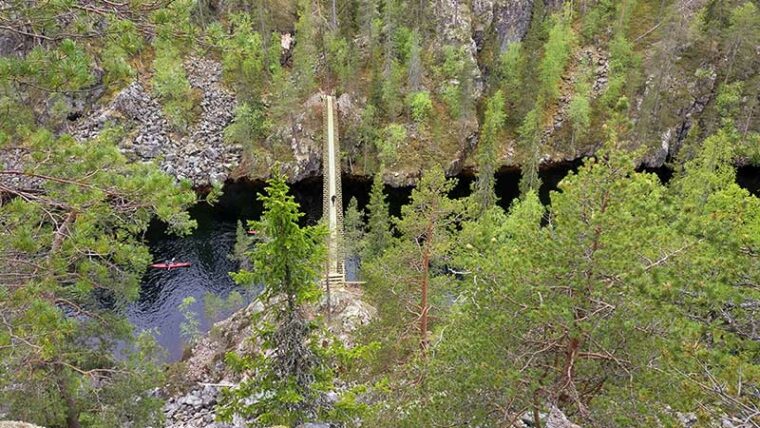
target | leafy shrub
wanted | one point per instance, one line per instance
(250, 124)
(420, 105)
(171, 85)
(393, 136)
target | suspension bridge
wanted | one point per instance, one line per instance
(332, 197)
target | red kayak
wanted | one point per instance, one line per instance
(170, 265)
(253, 232)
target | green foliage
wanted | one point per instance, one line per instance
(530, 136)
(244, 59)
(511, 64)
(340, 60)
(65, 67)
(742, 38)
(556, 55)
(250, 125)
(390, 89)
(420, 106)
(353, 229)
(171, 85)
(624, 63)
(614, 290)
(189, 329)
(426, 226)
(392, 139)
(593, 22)
(729, 99)
(488, 152)
(305, 51)
(415, 63)
(579, 109)
(290, 258)
(378, 220)
(173, 23)
(216, 307)
(290, 379)
(74, 242)
(649, 283)
(455, 80)
(122, 41)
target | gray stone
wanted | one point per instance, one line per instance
(194, 401)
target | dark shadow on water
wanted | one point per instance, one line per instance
(208, 249)
(209, 246)
(748, 177)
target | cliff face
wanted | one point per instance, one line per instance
(203, 158)
(412, 81)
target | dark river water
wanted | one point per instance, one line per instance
(210, 245)
(209, 249)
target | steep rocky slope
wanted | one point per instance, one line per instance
(412, 81)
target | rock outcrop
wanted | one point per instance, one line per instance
(201, 156)
(204, 373)
(17, 424)
(511, 21)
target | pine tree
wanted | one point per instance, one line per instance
(630, 287)
(71, 240)
(425, 227)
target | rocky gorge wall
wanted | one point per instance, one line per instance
(203, 157)
(482, 29)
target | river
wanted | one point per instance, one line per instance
(209, 246)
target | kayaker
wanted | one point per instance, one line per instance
(169, 263)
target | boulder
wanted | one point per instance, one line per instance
(17, 424)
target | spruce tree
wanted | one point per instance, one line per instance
(487, 152)
(305, 51)
(291, 376)
(353, 229)
(378, 235)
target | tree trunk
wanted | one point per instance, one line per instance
(424, 312)
(334, 16)
(72, 412)
(425, 283)
(536, 414)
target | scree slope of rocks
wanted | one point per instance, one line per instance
(201, 156)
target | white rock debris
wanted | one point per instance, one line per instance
(200, 156)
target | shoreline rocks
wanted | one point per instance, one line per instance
(204, 373)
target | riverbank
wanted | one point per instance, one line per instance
(196, 381)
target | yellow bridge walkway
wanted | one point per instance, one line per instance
(332, 206)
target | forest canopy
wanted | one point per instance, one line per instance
(622, 298)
